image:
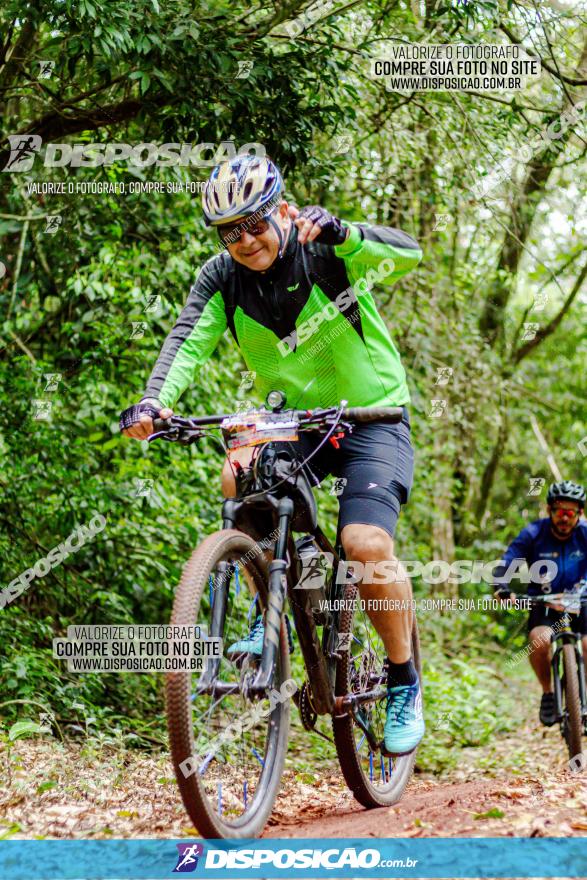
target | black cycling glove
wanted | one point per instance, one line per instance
(333, 232)
(132, 414)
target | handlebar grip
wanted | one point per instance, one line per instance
(391, 415)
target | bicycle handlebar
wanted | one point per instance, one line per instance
(391, 415)
(359, 414)
(195, 421)
(569, 598)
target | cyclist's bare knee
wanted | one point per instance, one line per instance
(243, 457)
(539, 638)
(366, 543)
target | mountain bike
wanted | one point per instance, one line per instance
(229, 723)
(567, 665)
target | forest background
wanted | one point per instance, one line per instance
(491, 326)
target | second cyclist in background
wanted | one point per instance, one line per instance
(561, 537)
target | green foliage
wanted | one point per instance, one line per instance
(23, 729)
(468, 703)
(147, 71)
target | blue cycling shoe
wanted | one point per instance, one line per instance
(253, 643)
(404, 727)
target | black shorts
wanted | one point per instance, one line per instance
(375, 466)
(540, 615)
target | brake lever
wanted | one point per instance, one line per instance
(170, 434)
(347, 427)
(190, 436)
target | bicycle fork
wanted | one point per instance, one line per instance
(581, 671)
(568, 638)
(277, 589)
(275, 599)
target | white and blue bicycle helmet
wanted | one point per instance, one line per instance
(240, 187)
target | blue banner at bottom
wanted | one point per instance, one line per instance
(300, 857)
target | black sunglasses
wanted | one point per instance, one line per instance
(231, 233)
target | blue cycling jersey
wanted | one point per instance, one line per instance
(536, 543)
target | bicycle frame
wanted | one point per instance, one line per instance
(320, 654)
(319, 658)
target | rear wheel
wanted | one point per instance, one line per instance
(572, 722)
(228, 751)
(375, 780)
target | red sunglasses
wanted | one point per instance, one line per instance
(565, 511)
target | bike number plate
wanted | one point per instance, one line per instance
(569, 603)
(240, 431)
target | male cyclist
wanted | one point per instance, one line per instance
(562, 538)
(293, 288)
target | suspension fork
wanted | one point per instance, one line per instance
(581, 671)
(556, 681)
(219, 605)
(219, 601)
(568, 638)
(275, 600)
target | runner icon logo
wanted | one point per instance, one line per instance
(187, 860)
(23, 149)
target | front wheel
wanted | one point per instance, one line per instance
(572, 722)
(228, 751)
(375, 780)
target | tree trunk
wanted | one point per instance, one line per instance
(443, 539)
(523, 209)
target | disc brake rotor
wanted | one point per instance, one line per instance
(307, 713)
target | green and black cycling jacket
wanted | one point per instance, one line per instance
(308, 326)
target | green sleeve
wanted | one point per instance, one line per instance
(389, 253)
(194, 337)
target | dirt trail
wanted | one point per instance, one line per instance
(518, 786)
(466, 809)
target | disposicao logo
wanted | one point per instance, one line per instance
(25, 147)
(187, 860)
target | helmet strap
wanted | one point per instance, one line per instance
(280, 237)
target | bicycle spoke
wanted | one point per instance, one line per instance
(258, 757)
